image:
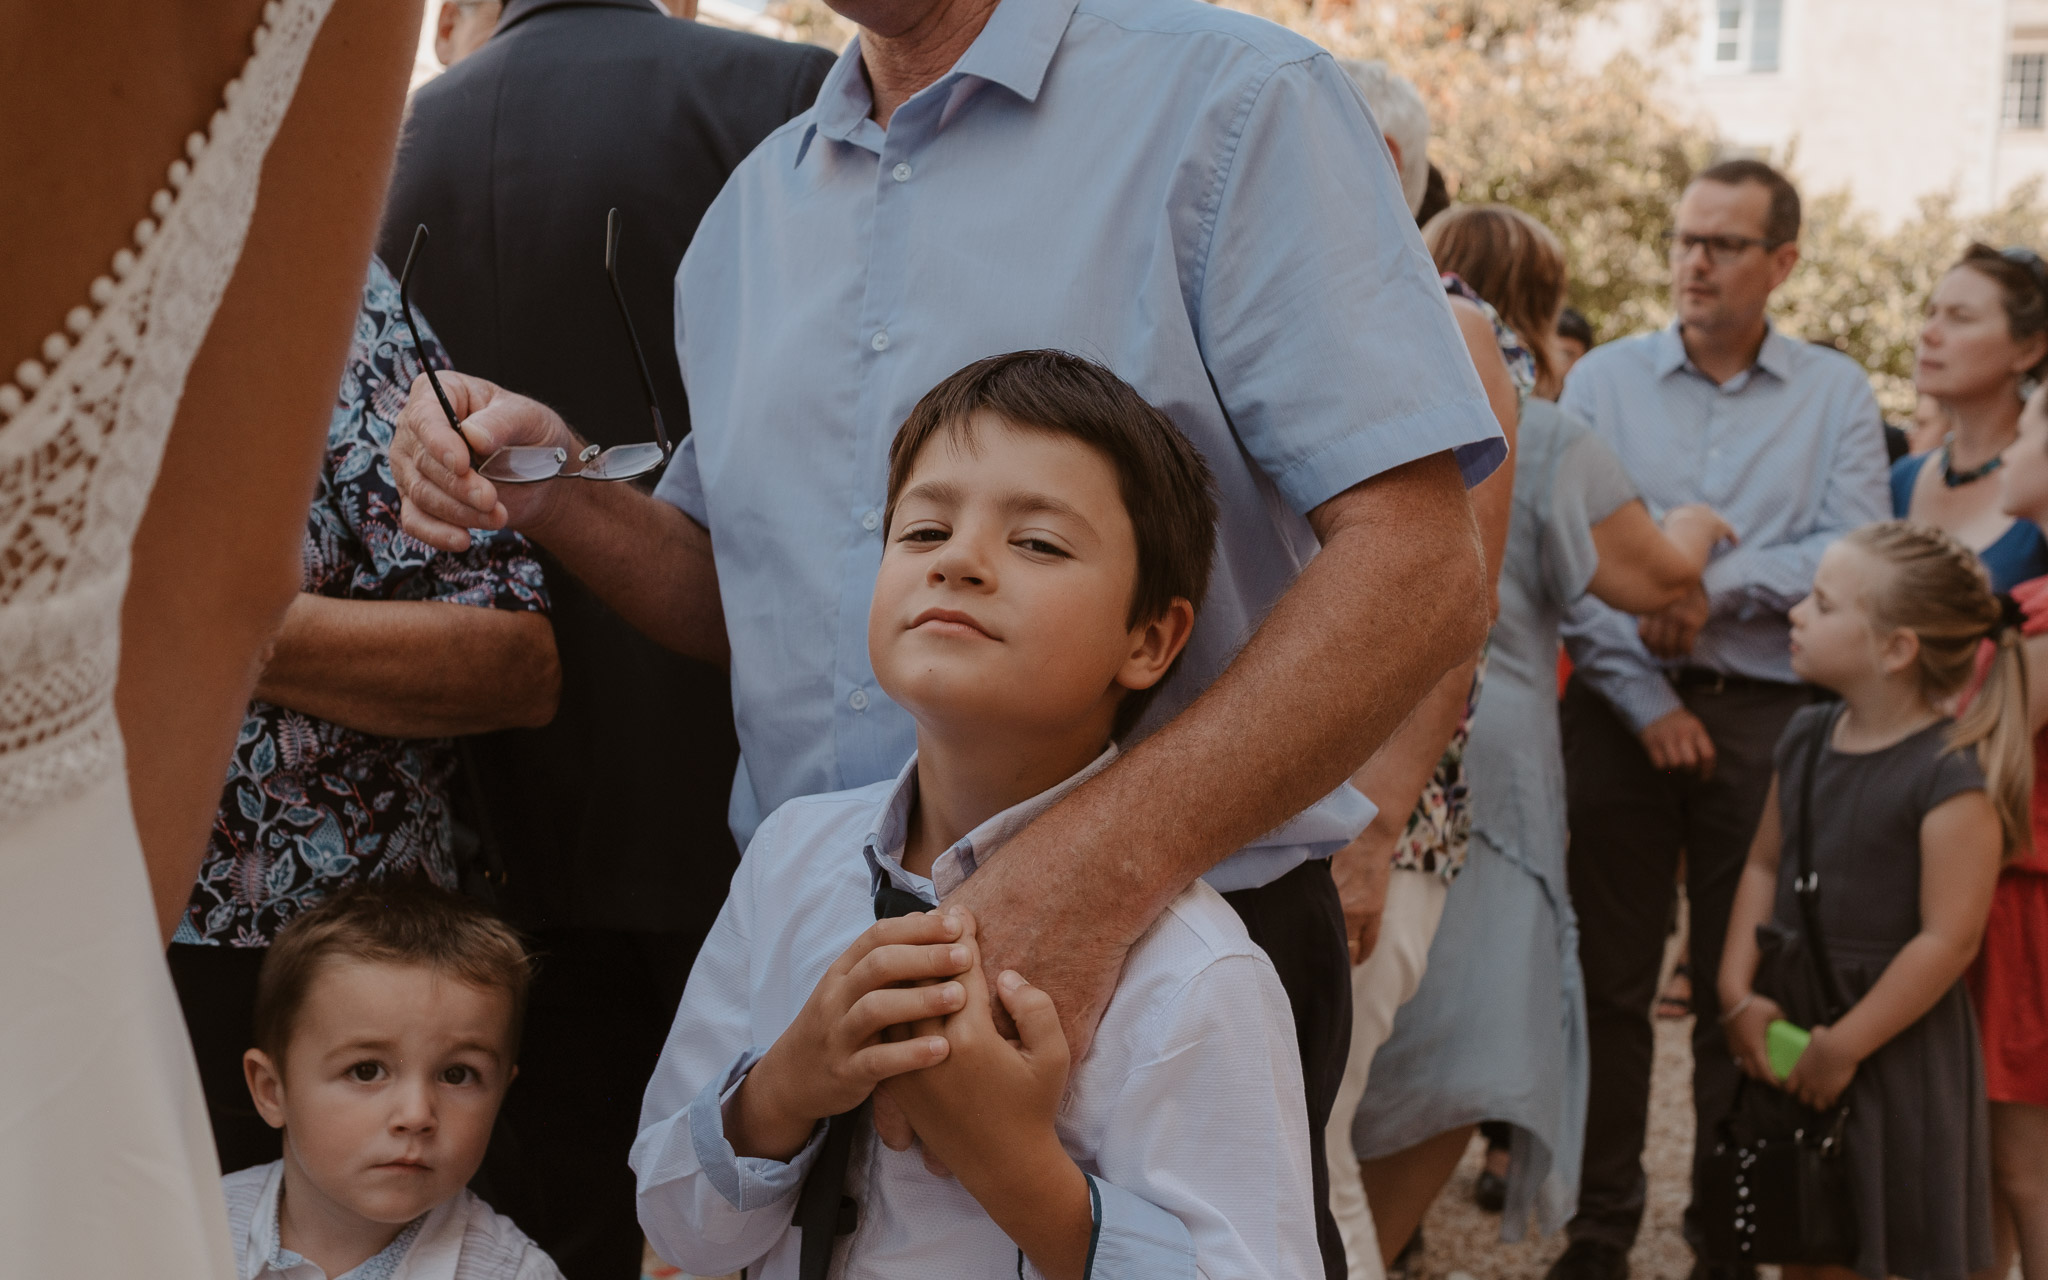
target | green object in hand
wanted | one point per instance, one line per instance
(1783, 1043)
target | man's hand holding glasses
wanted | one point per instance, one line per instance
(468, 454)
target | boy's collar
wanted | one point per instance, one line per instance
(267, 1251)
(886, 839)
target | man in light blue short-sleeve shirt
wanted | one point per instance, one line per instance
(1195, 198)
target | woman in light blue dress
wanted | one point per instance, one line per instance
(1496, 1030)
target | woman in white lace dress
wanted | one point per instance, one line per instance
(168, 350)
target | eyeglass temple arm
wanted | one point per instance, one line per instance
(611, 272)
(419, 238)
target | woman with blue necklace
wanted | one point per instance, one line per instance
(1983, 349)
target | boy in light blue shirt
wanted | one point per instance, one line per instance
(1048, 539)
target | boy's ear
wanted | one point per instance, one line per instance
(1155, 644)
(266, 1086)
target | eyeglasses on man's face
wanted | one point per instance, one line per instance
(531, 463)
(1722, 251)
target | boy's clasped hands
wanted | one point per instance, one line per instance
(907, 1008)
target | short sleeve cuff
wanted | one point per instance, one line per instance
(746, 1182)
(1136, 1239)
(1465, 428)
(681, 486)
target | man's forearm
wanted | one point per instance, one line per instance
(644, 558)
(1397, 596)
(413, 668)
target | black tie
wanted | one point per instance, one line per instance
(823, 1209)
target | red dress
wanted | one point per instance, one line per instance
(2009, 981)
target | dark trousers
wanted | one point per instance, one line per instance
(1629, 823)
(1299, 922)
(600, 1010)
(217, 991)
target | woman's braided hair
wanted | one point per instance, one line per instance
(1937, 589)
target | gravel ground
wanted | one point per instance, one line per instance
(1461, 1240)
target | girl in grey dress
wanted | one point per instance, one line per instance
(1912, 814)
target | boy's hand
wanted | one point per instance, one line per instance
(1823, 1072)
(987, 1111)
(832, 1056)
(991, 1098)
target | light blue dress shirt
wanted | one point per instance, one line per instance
(1790, 452)
(1186, 1116)
(1192, 196)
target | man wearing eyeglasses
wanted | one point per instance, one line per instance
(1670, 720)
(1199, 200)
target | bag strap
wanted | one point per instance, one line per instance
(1806, 883)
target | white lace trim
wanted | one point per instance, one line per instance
(79, 454)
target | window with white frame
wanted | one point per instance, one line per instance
(2026, 74)
(1743, 35)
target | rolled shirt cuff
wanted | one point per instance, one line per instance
(1136, 1239)
(746, 1182)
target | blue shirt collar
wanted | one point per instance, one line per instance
(886, 838)
(1774, 357)
(270, 1253)
(1013, 50)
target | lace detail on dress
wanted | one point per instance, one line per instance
(78, 457)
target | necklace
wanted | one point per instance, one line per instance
(1955, 479)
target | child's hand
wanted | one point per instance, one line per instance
(1747, 1032)
(1824, 1071)
(986, 1113)
(832, 1056)
(992, 1098)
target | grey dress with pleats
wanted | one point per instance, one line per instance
(1497, 1029)
(1918, 1137)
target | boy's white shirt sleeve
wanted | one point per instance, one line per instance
(703, 1207)
(1205, 1151)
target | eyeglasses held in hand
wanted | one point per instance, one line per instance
(531, 463)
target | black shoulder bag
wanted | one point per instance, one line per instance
(1776, 1187)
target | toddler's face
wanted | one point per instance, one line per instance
(1835, 639)
(1006, 585)
(389, 1086)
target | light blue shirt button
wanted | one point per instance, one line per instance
(880, 341)
(871, 521)
(858, 700)
(901, 172)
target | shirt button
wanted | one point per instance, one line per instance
(870, 521)
(858, 700)
(880, 341)
(901, 172)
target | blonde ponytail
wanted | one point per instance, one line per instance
(1995, 723)
(1937, 589)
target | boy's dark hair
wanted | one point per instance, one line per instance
(403, 920)
(1570, 324)
(1165, 484)
(1781, 224)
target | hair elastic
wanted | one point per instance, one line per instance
(2012, 616)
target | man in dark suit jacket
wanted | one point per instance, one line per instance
(609, 824)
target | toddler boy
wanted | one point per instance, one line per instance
(387, 1021)
(1046, 543)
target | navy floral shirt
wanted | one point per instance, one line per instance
(309, 805)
